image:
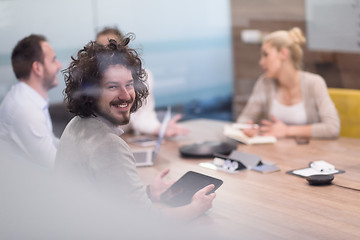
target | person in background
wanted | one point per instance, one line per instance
(104, 84)
(25, 122)
(144, 120)
(286, 101)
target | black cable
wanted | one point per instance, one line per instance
(355, 189)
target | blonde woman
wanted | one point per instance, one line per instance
(286, 101)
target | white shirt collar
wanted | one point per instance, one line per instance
(36, 98)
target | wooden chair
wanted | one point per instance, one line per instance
(347, 102)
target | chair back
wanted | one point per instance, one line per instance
(347, 102)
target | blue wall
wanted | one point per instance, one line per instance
(186, 44)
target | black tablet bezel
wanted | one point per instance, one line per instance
(182, 191)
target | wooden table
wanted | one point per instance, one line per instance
(252, 205)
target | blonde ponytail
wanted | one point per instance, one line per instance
(297, 36)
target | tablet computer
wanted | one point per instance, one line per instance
(182, 191)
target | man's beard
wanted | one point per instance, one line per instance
(50, 81)
(113, 119)
(126, 119)
(116, 121)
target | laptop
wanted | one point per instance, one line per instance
(145, 157)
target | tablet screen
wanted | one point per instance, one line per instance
(182, 191)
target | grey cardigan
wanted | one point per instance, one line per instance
(320, 110)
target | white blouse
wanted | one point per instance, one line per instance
(290, 115)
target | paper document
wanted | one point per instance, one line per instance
(238, 135)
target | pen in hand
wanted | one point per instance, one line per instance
(245, 126)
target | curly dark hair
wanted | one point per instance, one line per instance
(85, 72)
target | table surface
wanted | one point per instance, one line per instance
(273, 205)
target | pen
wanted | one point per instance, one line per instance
(245, 126)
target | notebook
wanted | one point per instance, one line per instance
(146, 156)
(233, 132)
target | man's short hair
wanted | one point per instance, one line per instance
(85, 72)
(25, 53)
(111, 31)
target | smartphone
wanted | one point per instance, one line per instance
(266, 168)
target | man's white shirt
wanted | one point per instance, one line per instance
(26, 124)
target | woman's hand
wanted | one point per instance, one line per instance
(273, 128)
(251, 132)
